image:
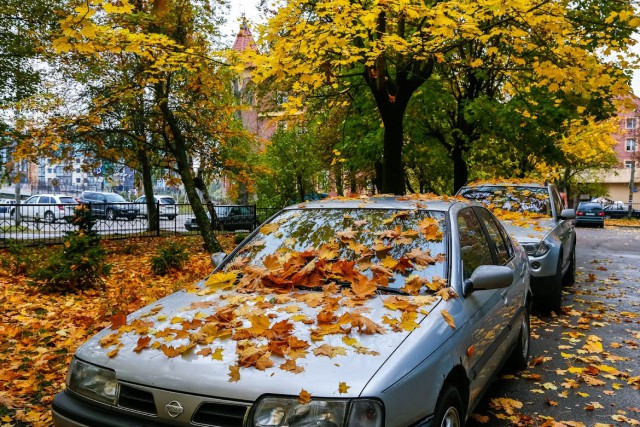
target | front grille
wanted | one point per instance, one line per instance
(220, 414)
(137, 400)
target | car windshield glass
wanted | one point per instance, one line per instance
(590, 206)
(68, 200)
(167, 201)
(523, 199)
(313, 247)
(114, 198)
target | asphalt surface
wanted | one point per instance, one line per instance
(584, 368)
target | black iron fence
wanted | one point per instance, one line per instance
(47, 224)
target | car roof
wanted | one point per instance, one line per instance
(414, 201)
(506, 183)
(52, 195)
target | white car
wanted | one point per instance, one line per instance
(167, 206)
(48, 207)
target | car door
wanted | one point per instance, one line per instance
(29, 209)
(486, 308)
(141, 204)
(564, 229)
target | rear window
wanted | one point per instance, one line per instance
(114, 198)
(68, 200)
(530, 200)
(590, 206)
(308, 247)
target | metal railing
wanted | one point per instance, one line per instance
(47, 224)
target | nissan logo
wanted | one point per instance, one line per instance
(174, 408)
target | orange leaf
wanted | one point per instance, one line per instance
(448, 319)
(343, 387)
(143, 343)
(234, 373)
(304, 397)
(118, 320)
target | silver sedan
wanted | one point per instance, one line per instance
(348, 312)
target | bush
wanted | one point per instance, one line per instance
(22, 258)
(238, 238)
(81, 262)
(171, 255)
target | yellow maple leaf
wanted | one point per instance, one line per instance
(448, 319)
(304, 397)
(343, 387)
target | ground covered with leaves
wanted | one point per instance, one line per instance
(40, 331)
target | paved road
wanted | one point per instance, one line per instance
(584, 360)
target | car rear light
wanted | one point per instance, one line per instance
(579, 213)
(60, 207)
(600, 213)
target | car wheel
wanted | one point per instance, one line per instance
(171, 217)
(556, 293)
(111, 214)
(449, 409)
(520, 356)
(49, 217)
(569, 277)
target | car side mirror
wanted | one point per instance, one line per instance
(488, 277)
(568, 214)
(217, 258)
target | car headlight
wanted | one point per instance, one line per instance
(92, 382)
(536, 249)
(281, 411)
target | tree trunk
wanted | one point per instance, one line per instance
(460, 171)
(178, 147)
(147, 185)
(301, 192)
(337, 171)
(392, 168)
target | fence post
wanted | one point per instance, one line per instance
(158, 217)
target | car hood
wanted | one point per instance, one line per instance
(528, 230)
(378, 326)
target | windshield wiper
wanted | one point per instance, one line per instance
(346, 284)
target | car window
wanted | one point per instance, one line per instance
(557, 201)
(370, 242)
(114, 198)
(68, 200)
(167, 201)
(474, 247)
(89, 196)
(511, 198)
(501, 246)
(142, 199)
(32, 200)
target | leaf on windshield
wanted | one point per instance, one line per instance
(421, 257)
(346, 235)
(448, 318)
(430, 229)
(413, 284)
(269, 228)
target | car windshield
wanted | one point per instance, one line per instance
(114, 198)
(522, 199)
(167, 201)
(313, 247)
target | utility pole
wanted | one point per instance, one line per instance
(633, 164)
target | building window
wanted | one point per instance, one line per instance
(628, 163)
(630, 144)
(631, 122)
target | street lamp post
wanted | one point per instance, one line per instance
(633, 164)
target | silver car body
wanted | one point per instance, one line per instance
(407, 373)
(167, 206)
(48, 207)
(556, 230)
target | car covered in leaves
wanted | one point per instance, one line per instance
(534, 214)
(343, 312)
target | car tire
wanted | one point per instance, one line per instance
(569, 277)
(111, 215)
(555, 303)
(520, 357)
(450, 408)
(49, 217)
(171, 217)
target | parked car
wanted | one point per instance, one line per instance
(7, 211)
(378, 312)
(167, 206)
(109, 205)
(620, 210)
(535, 215)
(590, 213)
(48, 207)
(230, 218)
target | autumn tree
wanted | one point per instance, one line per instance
(157, 84)
(318, 46)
